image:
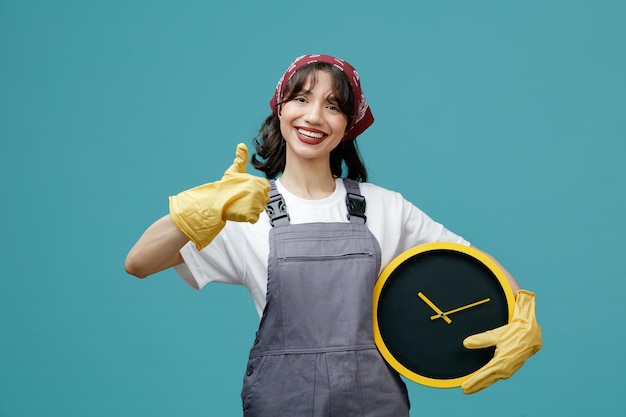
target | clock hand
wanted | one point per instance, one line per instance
(434, 307)
(460, 308)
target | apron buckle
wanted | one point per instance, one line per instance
(356, 206)
(276, 209)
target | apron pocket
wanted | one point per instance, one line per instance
(251, 381)
(279, 385)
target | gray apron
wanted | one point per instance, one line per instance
(314, 354)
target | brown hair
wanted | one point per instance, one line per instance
(270, 156)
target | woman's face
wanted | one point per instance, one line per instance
(312, 123)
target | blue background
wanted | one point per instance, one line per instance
(504, 120)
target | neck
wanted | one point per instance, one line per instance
(305, 181)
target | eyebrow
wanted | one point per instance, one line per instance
(331, 98)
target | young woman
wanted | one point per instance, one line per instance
(309, 245)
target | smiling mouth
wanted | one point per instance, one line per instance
(312, 135)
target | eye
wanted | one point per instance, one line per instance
(332, 104)
(300, 99)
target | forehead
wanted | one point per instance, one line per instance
(323, 82)
(320, 80)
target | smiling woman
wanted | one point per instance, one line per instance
(312, 126)
(344, 94)
(311, 259)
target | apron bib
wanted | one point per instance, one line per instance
(314, 354)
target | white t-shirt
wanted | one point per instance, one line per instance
(239, 253)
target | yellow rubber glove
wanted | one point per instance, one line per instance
(515, 342)
(201, 212)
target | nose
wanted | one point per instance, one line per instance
(314, 113)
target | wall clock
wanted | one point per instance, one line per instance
(430, 298)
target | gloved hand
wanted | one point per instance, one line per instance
(515, 342)
(201, 212)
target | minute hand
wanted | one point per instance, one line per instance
(445, 313)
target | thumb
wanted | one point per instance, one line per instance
(240, 162)
(483, 340)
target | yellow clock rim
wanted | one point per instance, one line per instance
(386, 273)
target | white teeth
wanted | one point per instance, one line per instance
(311, 134)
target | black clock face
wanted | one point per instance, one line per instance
(428, 304)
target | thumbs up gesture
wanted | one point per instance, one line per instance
(245, 195)
(201, 212)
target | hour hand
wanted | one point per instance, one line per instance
(434, 307)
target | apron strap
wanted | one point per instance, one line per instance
(355, 202)
(276, 208)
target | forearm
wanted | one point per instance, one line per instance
(198, 215)
(157, 249)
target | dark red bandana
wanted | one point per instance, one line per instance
(363, 117)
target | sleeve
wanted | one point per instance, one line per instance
(214, 263)
(420, 228)
(399, 225)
